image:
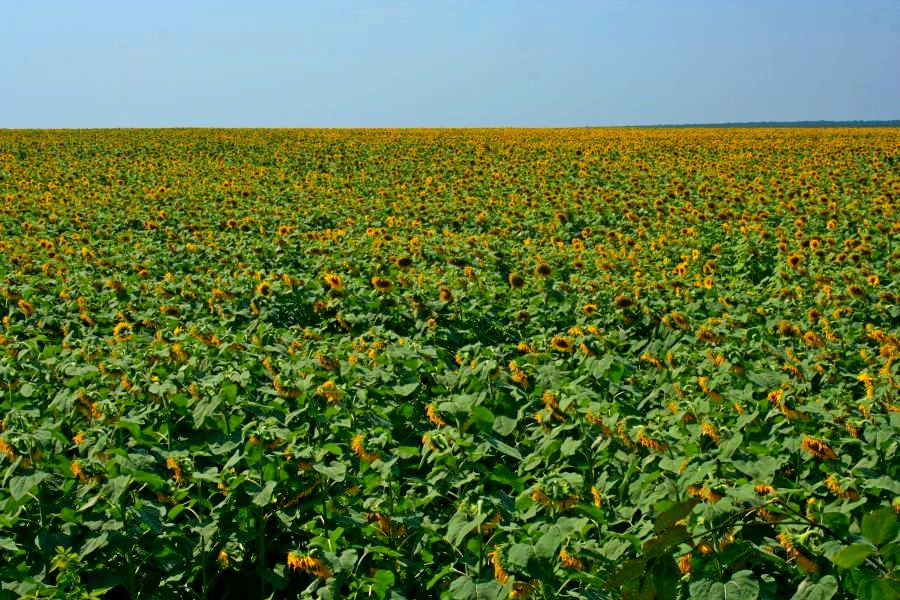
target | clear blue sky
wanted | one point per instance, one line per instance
(92, 63)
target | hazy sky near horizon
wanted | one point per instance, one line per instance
(334, 63)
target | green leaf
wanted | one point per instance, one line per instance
(462, 587)
(264, 496)
(93, 543)
(824, 589)
(460, 526)
(879, 589)
(548, 543)
(852, 556)
(741, 587)
(8, 544)
(519, 554)
(665, 541)
(504, 448)
(504, 425)
(384, 579)
(628, 571)
(880, 526)
(336, 470)
(406, 389)
(569, 447)
(26, 390)
(229, 392)
(730, 446)
(673, 515)
(19, 487)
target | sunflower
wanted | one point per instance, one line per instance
(403, 262)
(382, 284)
(516, 281)
(308, 564)
(561, 344)
(264, 289)
(122, 331)
(446, 295)
(621, 301)
(589, 309)
(334, 281)
(856, 291)
(818, 448)
(284, 230)
(26, 307)
(543, 269)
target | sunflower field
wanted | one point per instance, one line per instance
(504, 363)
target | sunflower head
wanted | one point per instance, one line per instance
(264, 289)
(382, 284)
(516, 281)
(623, 301)
(334, 281)
(561, 344)
(543, 269)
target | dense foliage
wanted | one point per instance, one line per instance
(408, 364)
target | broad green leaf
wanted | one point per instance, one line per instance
(742, 586)
(880, 526)
(519, 554)
(462, 588)
(548, 544)
(673, 515)
(264, 496)
(406, 389)
(823, 589)
(336, 470)
(852, 556)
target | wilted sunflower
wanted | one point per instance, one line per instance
(403, 262)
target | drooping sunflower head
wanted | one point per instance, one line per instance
(561, 344)
(382, 284)
(623, 301)
(334, 281)
(264, 289)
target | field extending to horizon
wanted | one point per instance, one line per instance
(586, 363)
